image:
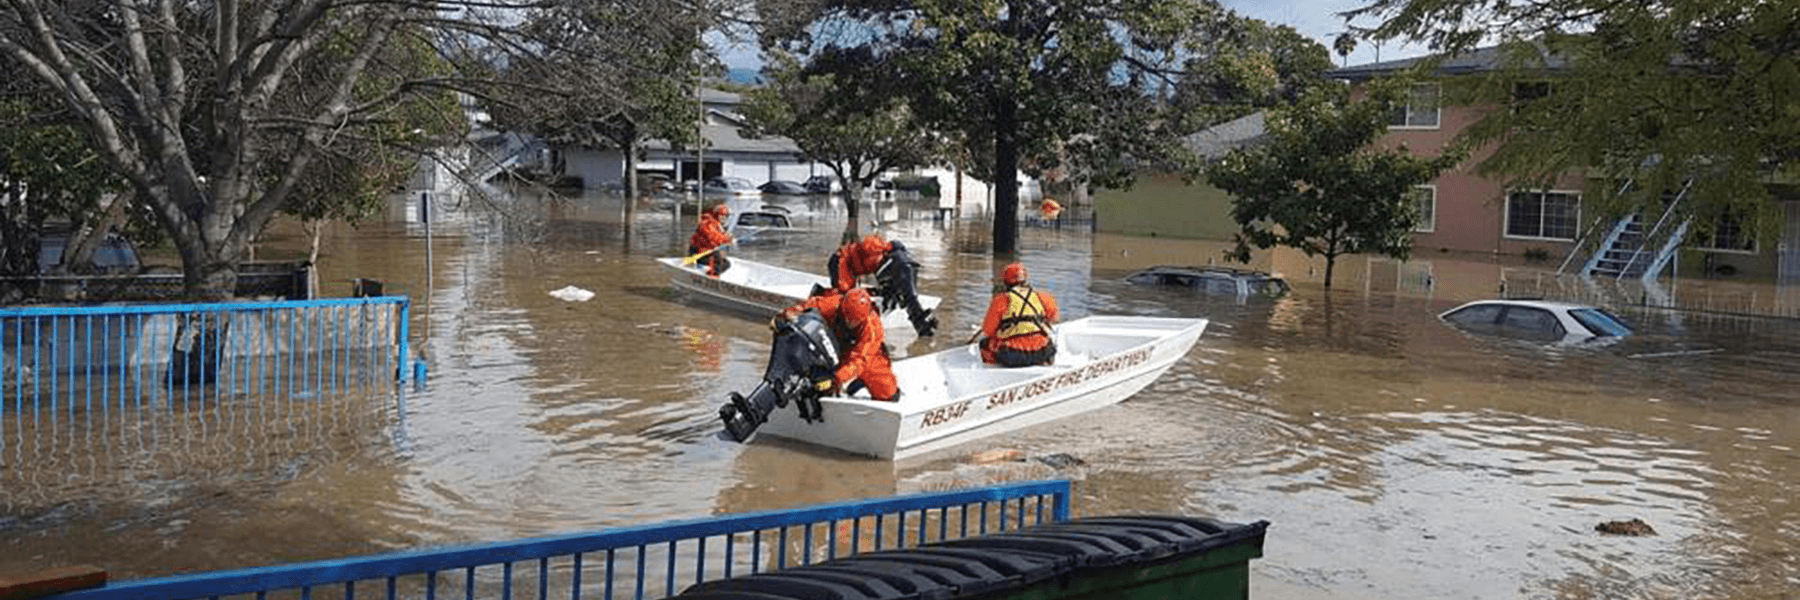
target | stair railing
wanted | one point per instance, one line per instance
(1606, 243)
(1651, 235)
(1601, 249)
(1666, 253)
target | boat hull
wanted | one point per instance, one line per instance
(763, 289)
(950, 398)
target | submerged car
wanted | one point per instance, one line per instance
(731, 186)
(763, 219)
(1537, 320)
(784, 188)
(114, 255)
(823, 184)
(1213, 280)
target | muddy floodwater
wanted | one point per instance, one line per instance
(1395, 457)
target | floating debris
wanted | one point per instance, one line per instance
(572, 294)
(1060, 460)
(1634, 527)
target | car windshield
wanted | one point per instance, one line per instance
(1600, 322)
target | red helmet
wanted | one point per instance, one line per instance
(1013, 274)
(720, 210)
(856, 306)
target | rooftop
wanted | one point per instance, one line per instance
(1479, 60)
(1218, 140)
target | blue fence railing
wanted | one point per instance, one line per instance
(635, 562)
(75, 362)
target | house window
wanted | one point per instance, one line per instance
(1425, 198)
(1730, 234)
(1544, 215)
(1420, 111)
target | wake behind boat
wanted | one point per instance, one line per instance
(766, 289)
(951, 397)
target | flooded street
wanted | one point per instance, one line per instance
(1395, 457)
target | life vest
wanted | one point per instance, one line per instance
(1024, 314)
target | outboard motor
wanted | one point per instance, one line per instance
(800, 366)
(896, 282)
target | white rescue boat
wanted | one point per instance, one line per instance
(951, 397)
(764, 288)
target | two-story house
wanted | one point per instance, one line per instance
(1465, 212)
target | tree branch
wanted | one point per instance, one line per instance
(259, 212)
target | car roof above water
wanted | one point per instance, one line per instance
(1531, 302)
(1207, 270)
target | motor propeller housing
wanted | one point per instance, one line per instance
(801, 359)
(897, 283)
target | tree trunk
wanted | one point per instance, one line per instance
(853, 189)
(1006, 175)
(313, 228)
(83, 243)
(959, 194)
(1330, 264)
(631, 173)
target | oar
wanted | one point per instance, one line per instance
(689, 260)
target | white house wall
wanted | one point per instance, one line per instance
(597, 168)
(796, 171)
(757, 171)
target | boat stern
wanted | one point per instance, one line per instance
(854, 425)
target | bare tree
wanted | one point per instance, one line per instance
(218, 112)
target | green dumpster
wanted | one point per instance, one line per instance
(1119, 557)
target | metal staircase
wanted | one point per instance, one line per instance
(488, 162)
(1630, 250)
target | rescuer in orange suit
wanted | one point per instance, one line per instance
(1050, 209)
(710, 235)
(895, 272)
(857, 259)
(1016, 332)
(856, 328)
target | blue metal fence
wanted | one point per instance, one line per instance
(85, 358)
(635, 562)
(83, 368)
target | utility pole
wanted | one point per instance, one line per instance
(700, 145)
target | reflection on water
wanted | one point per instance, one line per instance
(1396, 457)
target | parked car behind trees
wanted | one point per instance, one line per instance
(784, 188)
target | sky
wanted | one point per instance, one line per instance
(1315, 18)
(1319, 20)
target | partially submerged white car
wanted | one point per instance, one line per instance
(1537, 320)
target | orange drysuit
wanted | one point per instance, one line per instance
(856, 259)
(709, 235)
(859, 336)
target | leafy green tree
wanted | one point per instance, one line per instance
(614, 74)
(1321, 184)
(217, 113)
(1236, 66)
(48, 172)
(1023, 77)
(857, 130)
(1659, 92)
